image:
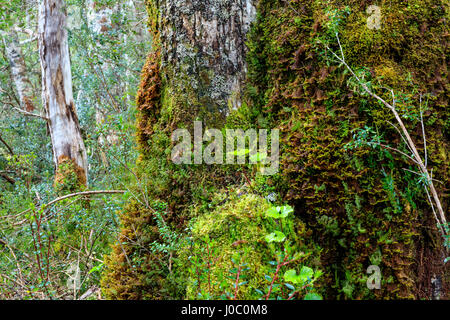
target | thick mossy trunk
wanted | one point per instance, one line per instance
(195, 72)
(360, 204)
(364, 208)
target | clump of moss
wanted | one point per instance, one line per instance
(148, 99)
(233, 235)
(133, 271)
(69, 176)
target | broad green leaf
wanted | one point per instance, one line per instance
(286, 210)
(276, 236)
(279, 212)
(306, 273)
(291, 276)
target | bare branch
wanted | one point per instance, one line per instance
(30, 114)
(83, 193)
(6, 145)
(423, 132)
(422, 167)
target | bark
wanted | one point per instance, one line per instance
(57, 96)
(19, 71)
(203, 49)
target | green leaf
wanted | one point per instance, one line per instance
(306, 273)
(312, 296)
(276, 236)
(289, 286)
(290, 276)
(279, 212)
(272, 212)
(96, 268)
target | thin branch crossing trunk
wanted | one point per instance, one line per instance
(441, 220)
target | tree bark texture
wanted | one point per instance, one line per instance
(203, 51)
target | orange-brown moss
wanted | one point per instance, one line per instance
(69, 176)
(148, 99)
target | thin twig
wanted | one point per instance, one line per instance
(6, 145)
(422, 167)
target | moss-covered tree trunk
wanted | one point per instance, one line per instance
(196, 71)
(360, 205)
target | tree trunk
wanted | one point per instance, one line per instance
(196, 71)
(57, 96)
(99, 21)
(18, 71)
(203, 50)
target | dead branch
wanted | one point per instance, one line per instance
(83, 193)
(6, 145)
(410, 143)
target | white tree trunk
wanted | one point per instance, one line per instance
(57, 96)
(18, 71)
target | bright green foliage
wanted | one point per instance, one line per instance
(231, 236)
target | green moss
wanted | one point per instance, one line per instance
(69, 177)
(233, 235)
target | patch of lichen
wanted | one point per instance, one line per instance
(230, 236)
(69, 176)
(360, 204)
